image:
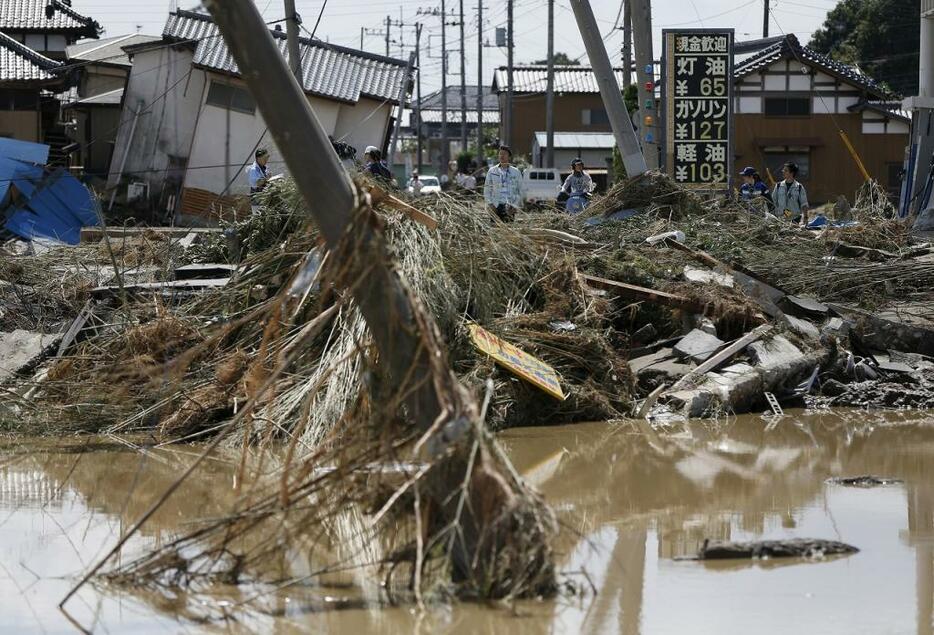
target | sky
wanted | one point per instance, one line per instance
(342, 20)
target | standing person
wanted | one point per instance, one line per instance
(502, 189)
(790, 198)
(578, 181)
(415, 183)
(753, 186)
(258, 177)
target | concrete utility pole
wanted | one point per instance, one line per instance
(403, 91)
(463, 84)
(645, 76)
(418, 97)
(361, 38)
(550, 90)
(919, 167)
(507, 126)
(291, 32)
(445, 145)
(627, 43)
(626, 138)
(322, 181)
(480, 87)
(765, 19)
(388, 27)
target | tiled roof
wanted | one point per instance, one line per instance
(30, 15)
(534, 79)
(454, 115)
(891, 109)
(107, 50)
(789, 48)
(334, 72)
(19, 63)
(433, 101)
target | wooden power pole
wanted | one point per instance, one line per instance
(480, 87)
(463, 83)
(445, 144)
(626, 138)
(550, 90)
(765, 19)
(507, 126)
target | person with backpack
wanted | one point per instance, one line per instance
(790, 198)
(503, 188)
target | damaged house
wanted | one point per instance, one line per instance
(194, 125)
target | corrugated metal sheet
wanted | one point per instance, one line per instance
(568, 79)
(582, 140)
(790, 48)
(328, 71)
(29, 15)
(19, 63)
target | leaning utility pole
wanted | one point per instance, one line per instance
(507, 126)
(463, 84)
(645, 76)
(627, 43)
(626, 138)
(291, 31)
(445, 145)
(765, 19)
(480, 89)
(550, 90)
(403, 91)
(418, 95)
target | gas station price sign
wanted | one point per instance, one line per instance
(697, 94)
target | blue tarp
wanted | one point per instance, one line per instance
(51, 203)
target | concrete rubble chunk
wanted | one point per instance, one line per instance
(698, 345)
(705, 276)
(805, 306)
(836, 327)
(19, 348)
(802, 327)
(667, 368)
(895, 367)
(638, 364)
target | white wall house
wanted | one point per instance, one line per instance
(197, 125)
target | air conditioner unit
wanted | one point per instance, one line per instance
(136, 191)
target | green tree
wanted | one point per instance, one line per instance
(881, 36)
(561, 59)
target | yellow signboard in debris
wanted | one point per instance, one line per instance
(519, 362)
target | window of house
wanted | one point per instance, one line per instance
(775, 159)
(35, 41)
(55, 43)
(787, 106)
(594, 117)
(232, 97)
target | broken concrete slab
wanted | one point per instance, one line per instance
(639, 363)
(837, 327)
(705, 276)
(804, 307)
(903, 331)
(895, 367)
(644, 335)
(698, 345)
(19, 349)
(667, 368)
(802, 327)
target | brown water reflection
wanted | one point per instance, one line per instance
(630, 499)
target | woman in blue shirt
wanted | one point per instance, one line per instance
(753, 186)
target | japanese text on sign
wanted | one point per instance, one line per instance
(698, 107)
(529, 368)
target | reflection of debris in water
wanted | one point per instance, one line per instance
(867, 480)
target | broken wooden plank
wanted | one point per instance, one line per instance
(643, 294)
(94, 234)
(555, 236)
(171, 285)
(76, 325)
(214, 270)
(379, 195)
(724, 355)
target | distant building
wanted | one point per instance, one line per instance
(578, 105)
(595, 149)
(194, 124)
(790, 104)
(33, 37)
(430, 113)
(93, 107)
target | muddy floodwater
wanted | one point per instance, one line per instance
(632, 502)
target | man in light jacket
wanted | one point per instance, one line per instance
(790, 198)
(503, 190)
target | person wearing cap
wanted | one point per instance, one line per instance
(374, 163)
(753, 186)
(578, 181)
(789, 197)
(502, 189)
(258, 173)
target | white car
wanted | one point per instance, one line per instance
(541, 184)
(430, 185)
